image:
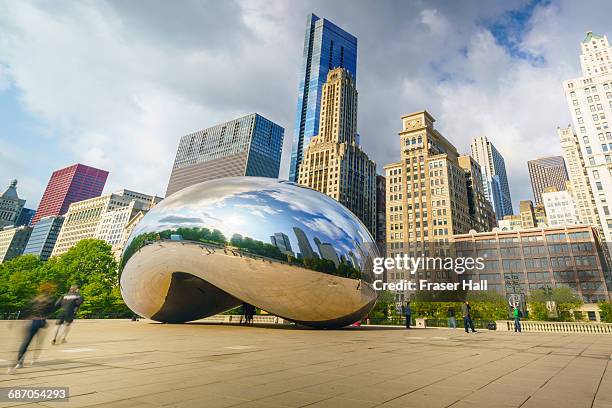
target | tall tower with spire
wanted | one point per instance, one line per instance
(10, 205)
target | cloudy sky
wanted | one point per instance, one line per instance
(114, 84)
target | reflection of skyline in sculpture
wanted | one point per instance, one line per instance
(327, 251)
(281, 241)
(225, 255)
(306, 250)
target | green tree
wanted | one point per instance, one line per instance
(19, 280)
(605, 311)
(565, 299)
(89, 264)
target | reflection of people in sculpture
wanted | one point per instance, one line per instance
(250, 313)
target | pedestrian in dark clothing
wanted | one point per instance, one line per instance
(250, 313)
(70, 304)
(39, 309)
(517, 319)
(452, 322)
(408, 313)
(467, 318)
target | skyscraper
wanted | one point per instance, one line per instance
(589, 98)
(546, 172)
(495, 180)
(10, 206)
(25, 217)
(580, 188)
(381, 212)
(43, 237)
(481, 212)
(66, 186)
(326, 46)
(247, 146)
(426, 190)
(333, 163)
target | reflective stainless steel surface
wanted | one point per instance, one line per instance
(286, 249)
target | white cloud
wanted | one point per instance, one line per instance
(117, 83)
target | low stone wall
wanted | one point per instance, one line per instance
(556, 327)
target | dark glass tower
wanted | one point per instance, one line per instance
(247, 146)
(326, 46)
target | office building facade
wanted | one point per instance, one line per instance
(495, 179)
(481, 211)
(25, 217)
(326, 46)
(381, 212)
(546, 172)
(518, 262)
(13, 241)
(247, 146)
(426, 190)
(333, 163)
(579, 185)
(10, 206)
(98, 218)
(43, 237)
(589, 98)
(560, 208)
(69, 185)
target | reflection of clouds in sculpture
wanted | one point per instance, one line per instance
(258, 208)
(177, 219)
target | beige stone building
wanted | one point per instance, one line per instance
(101, 217)
(333, 162)
(579, 187)
(13, 241)
(426, 190)
(589, 98)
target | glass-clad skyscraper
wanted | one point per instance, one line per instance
(326, 46)
(495, 179)
(43, 237)
(248, 146)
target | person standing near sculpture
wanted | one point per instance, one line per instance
(467, 317)
(517, 319)
(70, 304)
(408, 313)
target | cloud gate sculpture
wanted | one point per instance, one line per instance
(286, 249)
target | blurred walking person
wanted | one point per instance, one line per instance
(452, 322)
(467, 317)
(40, 307)
(70, 304)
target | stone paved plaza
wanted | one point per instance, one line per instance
(145, 364)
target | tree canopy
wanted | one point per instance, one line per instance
(89, 265)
